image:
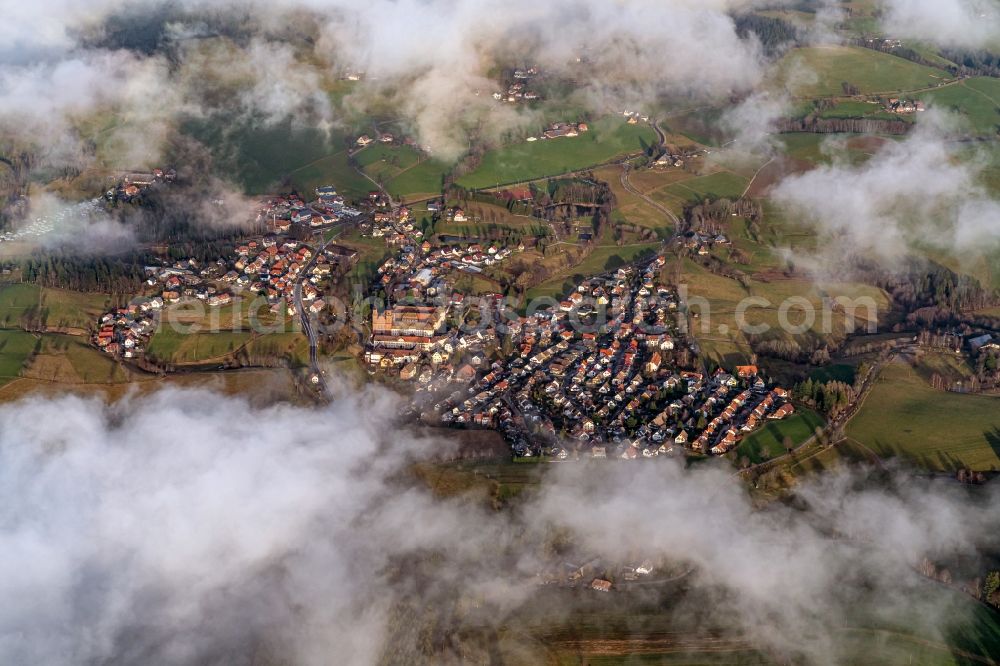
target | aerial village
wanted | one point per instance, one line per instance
(283, 265)
(605, 372)
(613, 389)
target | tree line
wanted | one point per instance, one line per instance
(116, 275)
(817, 125)
(774, 34)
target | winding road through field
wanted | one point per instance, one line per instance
(655, 204)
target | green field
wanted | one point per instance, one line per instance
(200, 335)
(803, 146)
(403, 170)
(91, 365)
(176, 347)
(258, 156)
(855, 109)
(70, 360)
(827, 148)
(608, 138)
(495, 481)
(382, 160)
(976, 100)
(334, 170)
(60, 358)
(17, 301)
(721, 185)
(72, 309)
(870, 71)
(15, 348)
(23, 304)
(421, 180)
(769, 441)
(936, 430)
(263, 158)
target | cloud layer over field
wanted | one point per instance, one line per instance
(922, 191)
(188, 527)
(428, 62)
(957, 23)
(65, 65)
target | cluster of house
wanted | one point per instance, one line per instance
(744, 413)
(883, 42)
(125, 331)
(280, 213)
(903, 106)
(633, 117)
(424, 270)
(517, 90)
(275, 266)
(557, 130)
(387, 138)
(410, 334)
(703, 243)
(456, 214)
(396, 227)
(598, 369)
(595, 574)
(271, 265)
(134, 184)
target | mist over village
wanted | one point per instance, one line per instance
(439, 332)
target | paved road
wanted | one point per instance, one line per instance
(304, 316)
(661, 137)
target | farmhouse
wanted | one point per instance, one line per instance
(601, 585)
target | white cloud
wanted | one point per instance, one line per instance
(957, 23)
(429, 58)
(915, 192)
(185, 526)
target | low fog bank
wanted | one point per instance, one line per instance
(188, 527)
(970, 24)
(107, 84)
(922, 192)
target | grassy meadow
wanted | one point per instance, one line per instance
(820, 71)
(403, 170)
(608, 138)
(976, 101)
(769, 441)
(903, 416)
(192, 333)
